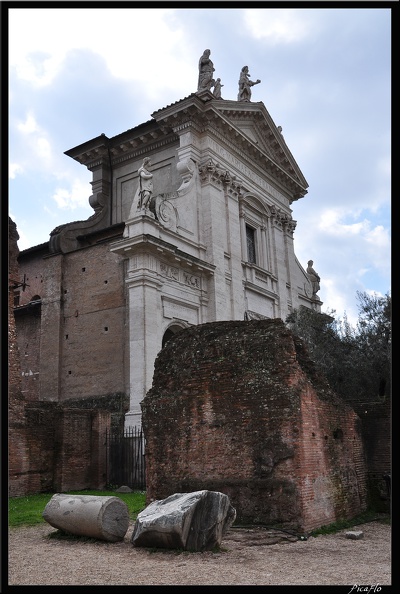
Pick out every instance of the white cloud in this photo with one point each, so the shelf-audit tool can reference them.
(29, 125)
(330, 223)
(40, 40)
(333, 294)
(43, 149)
(76, 197)
(33, 146)
(278, 26)
(14, 169)
(378, 243)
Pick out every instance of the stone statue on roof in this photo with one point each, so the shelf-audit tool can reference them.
(314, 277)
(206, 70)
(245, 84)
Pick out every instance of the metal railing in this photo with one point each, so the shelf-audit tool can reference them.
(126, 458)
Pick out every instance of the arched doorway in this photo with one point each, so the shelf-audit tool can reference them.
(170, 332)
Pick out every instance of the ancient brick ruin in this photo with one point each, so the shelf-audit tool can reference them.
(51, 447)
(238, 407)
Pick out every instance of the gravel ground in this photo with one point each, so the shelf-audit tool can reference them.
(247, 557)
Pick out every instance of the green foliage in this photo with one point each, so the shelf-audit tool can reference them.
(365, 517)
(27, 510)
(355, 361)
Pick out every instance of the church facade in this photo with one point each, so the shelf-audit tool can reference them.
(192, 224)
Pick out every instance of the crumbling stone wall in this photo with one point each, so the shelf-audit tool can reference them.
(238, 407)
(15, 396)
(51, 446)
(17, 444)
(58, 449)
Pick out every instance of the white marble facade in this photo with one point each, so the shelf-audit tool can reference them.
(217, 240)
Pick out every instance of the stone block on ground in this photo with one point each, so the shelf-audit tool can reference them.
(102, 517)
(194, 521)
(124, 489)
(355, 534)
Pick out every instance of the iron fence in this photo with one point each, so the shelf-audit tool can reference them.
(126, 458)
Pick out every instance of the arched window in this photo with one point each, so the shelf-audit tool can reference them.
(167, 336)
(170, 332)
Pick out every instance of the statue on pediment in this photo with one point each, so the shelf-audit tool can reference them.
(217, 89)
(206, 70)
(245, 84)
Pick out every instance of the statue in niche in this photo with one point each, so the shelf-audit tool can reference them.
(206, 69)
(245, 84)
(145, 185)
(314, 278)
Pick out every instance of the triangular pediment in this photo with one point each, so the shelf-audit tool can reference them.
(246, 126)
(255, 123)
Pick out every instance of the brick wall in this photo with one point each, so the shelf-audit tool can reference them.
(50, 447)
(18, 454)
(238, 407)
(15, 398)
(80, 348)
(58, 450)
(81, 463)
(28, 322)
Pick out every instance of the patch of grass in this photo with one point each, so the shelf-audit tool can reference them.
(367, 516)
(27, 510)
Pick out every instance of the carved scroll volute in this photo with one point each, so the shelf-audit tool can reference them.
(186, 169)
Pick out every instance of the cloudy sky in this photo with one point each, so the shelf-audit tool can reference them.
(75, 73)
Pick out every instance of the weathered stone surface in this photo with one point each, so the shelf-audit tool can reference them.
(193, 521)
(355, 534)
(106, 518)
(123, 489)
(239, 407)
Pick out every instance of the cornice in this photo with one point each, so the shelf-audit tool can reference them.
(150, 243)
(218, 117)
(255, 158)
(203, 114)
(104, 151)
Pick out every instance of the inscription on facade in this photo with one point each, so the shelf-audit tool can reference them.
(169, 271)
(178, 275)
(243, 168)
(191, 280)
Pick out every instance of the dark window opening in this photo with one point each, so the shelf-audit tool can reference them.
(251, 244)
(167, 336)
